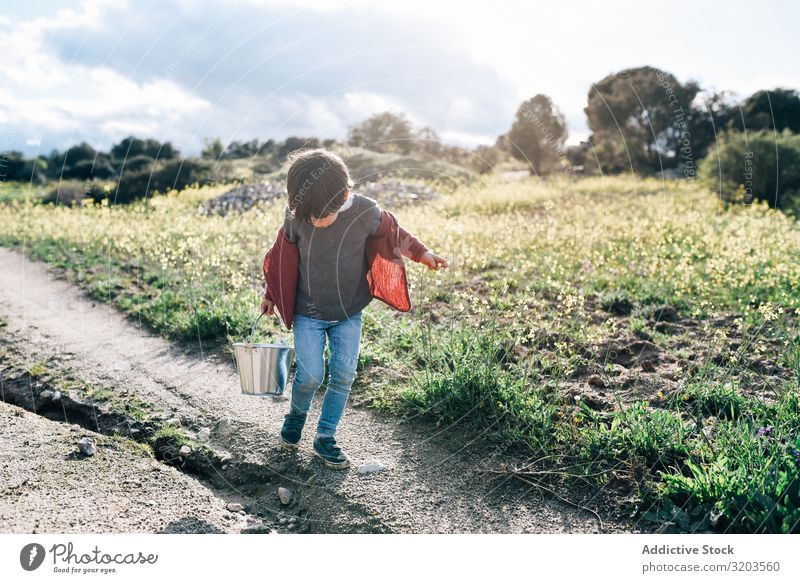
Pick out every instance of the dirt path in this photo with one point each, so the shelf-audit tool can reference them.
(48, 486)
(432, 481)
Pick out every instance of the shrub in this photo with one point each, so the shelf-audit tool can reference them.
(69, 192)
(138, 163)
(88, 169)
(172, 174)
(755, 166)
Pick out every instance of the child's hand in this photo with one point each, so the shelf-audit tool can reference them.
(433, 261)
(267, 307)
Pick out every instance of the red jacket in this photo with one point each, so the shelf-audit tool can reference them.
(386, 272)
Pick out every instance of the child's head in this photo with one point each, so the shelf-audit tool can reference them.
(317, 183)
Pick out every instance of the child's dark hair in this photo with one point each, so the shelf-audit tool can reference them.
(316, 183)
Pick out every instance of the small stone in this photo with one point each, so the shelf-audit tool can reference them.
(86, 446)
(74, 427)
(257, 529)
(285, 495)
(224, 467)
(185, 450)
(234, 506)
(204, 434)
(292, 520)
(57, 395)
(596, 380)
(371, 467)
(283, 521)
(135, 433)
(224, 427)
(174, 422)
(151, 503)
(46, 394)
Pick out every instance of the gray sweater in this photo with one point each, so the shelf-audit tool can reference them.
(332, 282)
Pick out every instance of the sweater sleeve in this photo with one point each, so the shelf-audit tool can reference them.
(370, 215)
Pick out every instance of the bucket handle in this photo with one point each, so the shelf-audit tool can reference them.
(281, 338)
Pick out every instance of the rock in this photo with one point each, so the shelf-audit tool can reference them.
(46, 394)
(371, 467)
(204, 434)
(596, 380)
(283, 520)
(225, 427)
(285, 495)
(86, 446)
(246, 196)
(74, 427)
(257, 529)
(234, 507)
(174, 422)
(185, 450)
(57, 395)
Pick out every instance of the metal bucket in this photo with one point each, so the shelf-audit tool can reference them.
(263, 368)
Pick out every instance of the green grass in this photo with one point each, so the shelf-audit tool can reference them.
(544, 275)
(173, 435)
(749, 478)
(17, 191)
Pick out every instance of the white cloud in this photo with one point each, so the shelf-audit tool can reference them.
(46, 96)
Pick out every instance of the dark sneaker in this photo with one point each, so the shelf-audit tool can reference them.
(292, 430)
(331, 454)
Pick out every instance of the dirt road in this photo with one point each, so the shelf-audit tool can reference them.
(432, 481)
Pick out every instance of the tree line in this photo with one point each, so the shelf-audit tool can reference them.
(641, 119)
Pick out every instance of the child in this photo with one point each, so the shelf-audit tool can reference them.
(340, 238)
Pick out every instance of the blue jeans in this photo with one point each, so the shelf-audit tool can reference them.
(344, 338)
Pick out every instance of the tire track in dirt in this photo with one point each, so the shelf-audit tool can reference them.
(432, 483)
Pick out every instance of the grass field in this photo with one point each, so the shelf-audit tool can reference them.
(632, 336)
(17, 191)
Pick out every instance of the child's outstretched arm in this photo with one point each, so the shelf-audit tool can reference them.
(419, 253)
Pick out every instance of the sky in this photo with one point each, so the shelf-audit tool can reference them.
(187, 70)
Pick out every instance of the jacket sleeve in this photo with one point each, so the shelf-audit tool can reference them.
(280, 270)
(414, 246)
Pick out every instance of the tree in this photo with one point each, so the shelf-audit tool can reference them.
(755, 165)
(428, 141)
(485, 158)
(538, 134)
(77, 153)
(641, 118)
(292, 144)
(133, 146)
(11, 165)
(213, 149)
(777, 109)
(383, 132)
(237, 150)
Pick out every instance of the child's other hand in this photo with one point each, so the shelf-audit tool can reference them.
(433, 261)
(267, 307)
